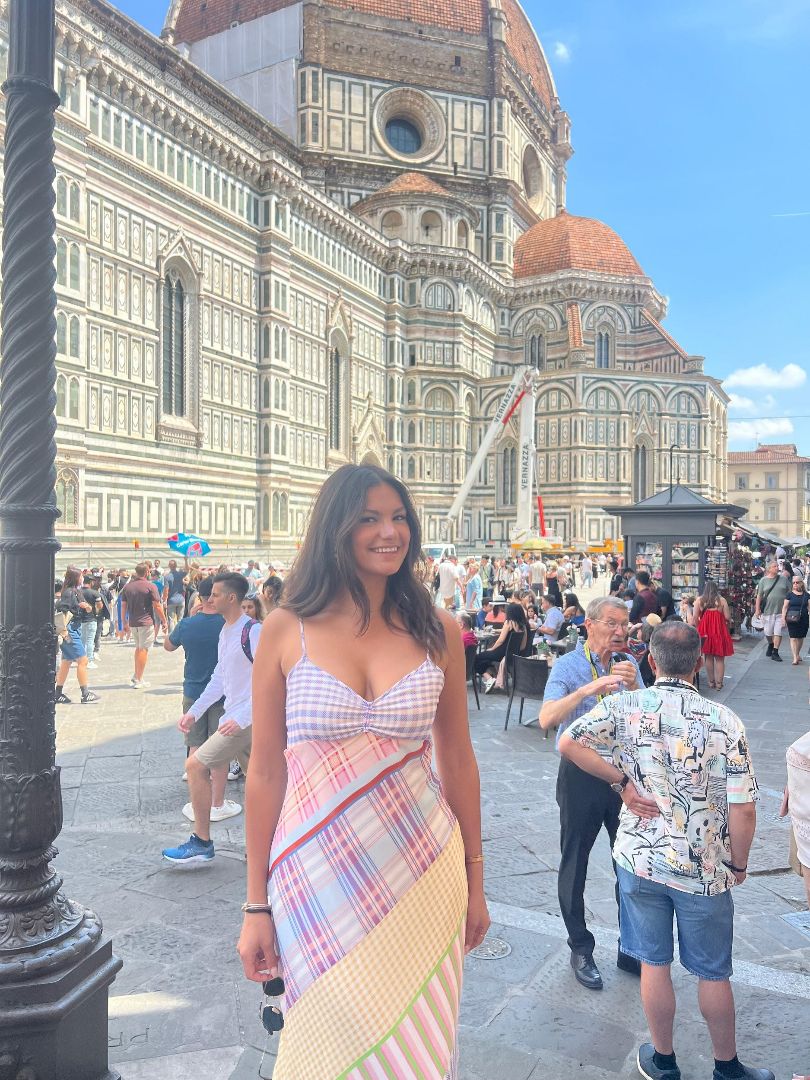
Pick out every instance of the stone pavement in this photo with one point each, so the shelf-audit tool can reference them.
(181, 1009)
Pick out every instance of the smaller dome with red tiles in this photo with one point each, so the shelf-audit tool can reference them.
(566, 242)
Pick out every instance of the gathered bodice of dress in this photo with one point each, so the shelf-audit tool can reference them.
(321, 706)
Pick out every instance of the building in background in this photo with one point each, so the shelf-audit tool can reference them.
(292, 235)
(773, 483)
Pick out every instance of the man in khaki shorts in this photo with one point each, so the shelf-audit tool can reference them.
(198, 636)
(231, 679)
(139, 600)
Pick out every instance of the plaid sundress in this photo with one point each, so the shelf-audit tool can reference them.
(367, 884)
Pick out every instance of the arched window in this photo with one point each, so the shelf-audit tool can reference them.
(276, 440)
(265, 512)
(74, 336)
(391, 224)
(275, 510)
(277, 395)
(463, 235)
(266, 439)
(410, 394)
(61, 196)
(61, 333)
(174, 345)
(412, 433)
(67, 497)
(411, 468)
(430, 228)
(61, 395)
(603, 349)
(73, 402)
(509, 476)
(266, 341)
(439, 297)
(336, 374)
(640, 477)
(284, 395)
(284, 441)
(74, 267)
(537, 351)
(61, 262)
(266, 394)
(74, 202)
(283, 513)
(276, 343)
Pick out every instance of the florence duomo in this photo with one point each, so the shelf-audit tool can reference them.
(291, 235)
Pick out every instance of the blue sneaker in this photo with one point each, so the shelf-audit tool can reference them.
(194, 850)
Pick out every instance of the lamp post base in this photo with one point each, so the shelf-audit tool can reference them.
(55, 1027)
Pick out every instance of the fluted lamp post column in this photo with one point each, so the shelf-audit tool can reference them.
(55, 966)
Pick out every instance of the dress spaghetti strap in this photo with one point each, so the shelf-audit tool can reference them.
(303, 639)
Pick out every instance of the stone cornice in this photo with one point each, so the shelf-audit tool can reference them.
(588, 285)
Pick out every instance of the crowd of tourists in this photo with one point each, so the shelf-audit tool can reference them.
(339, 690)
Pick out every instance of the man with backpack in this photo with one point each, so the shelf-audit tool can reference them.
(198, 636)
(231, 680)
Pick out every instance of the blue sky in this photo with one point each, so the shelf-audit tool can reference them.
(690, 126)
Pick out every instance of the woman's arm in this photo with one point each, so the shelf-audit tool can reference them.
(265, 788)
(458, 772)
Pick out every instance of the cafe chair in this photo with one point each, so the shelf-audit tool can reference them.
(470, 652)
(529, 678)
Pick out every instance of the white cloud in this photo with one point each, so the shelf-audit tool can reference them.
(744, 430)
(561, 52)
(762, 377)
(741, 404)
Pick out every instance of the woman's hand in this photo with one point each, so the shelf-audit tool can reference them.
(478, 919)
(257, 947)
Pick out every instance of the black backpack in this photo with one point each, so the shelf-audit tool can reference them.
(246, 649)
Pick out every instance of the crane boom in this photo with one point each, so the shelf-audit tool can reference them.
(519, 394)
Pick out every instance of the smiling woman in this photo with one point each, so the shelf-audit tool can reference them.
(368, 882)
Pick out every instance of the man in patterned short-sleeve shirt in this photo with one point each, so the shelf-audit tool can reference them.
(690, 756)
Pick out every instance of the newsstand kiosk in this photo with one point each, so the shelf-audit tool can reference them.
(670, 533)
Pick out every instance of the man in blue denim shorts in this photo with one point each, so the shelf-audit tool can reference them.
(681, 858)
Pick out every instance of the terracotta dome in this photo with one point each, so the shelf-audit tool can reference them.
(194, 20)
(566, 242)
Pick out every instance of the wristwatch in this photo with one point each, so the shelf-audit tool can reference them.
(620, 785)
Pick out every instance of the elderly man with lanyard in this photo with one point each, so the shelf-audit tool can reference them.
(577, 682)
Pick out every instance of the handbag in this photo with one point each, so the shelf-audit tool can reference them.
(794, 616)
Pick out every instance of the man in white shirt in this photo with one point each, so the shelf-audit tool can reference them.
(231, 680)
(450, 573)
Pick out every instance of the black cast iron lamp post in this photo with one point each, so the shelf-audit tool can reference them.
(55, 967)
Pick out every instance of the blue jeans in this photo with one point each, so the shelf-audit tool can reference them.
(705, 926)
(89, 639)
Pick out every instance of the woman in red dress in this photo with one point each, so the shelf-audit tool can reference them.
(712, 618)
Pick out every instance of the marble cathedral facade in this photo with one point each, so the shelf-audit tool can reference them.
(292, 235)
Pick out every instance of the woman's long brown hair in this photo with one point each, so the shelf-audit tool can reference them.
(325, 565)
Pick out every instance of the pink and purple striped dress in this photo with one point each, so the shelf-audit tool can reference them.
(367, 884)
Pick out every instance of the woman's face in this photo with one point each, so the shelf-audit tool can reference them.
(249, 608)
(798, 587)
(381, 538)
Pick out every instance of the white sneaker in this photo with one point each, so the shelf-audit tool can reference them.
(489, 683)
(184, 776)
(92, 664)
(140, 684)
(218, 813)
(228, 809)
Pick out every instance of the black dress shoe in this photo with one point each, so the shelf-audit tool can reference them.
(586, 972)
(628, 963)
(775, 656)
(769, 650)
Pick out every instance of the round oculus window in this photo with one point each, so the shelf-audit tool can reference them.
(403, 135)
